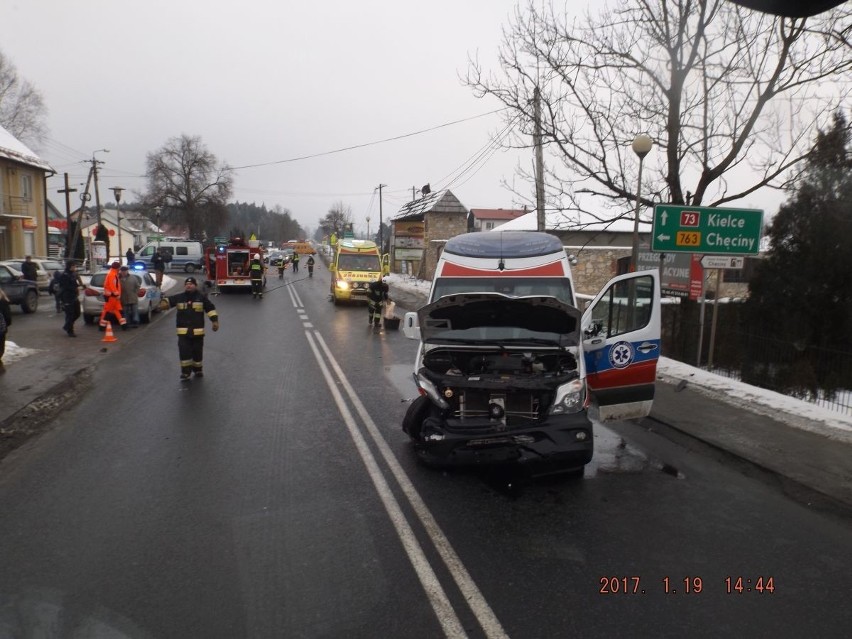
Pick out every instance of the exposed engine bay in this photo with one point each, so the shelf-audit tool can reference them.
(506, 387)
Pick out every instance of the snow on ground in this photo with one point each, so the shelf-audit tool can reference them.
(792, 411)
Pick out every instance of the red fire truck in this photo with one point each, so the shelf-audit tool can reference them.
(228, 263)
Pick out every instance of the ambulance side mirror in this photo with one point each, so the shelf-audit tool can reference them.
(411, 326)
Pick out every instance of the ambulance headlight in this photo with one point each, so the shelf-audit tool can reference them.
(569, 398)
(431, 391)
(342, 284)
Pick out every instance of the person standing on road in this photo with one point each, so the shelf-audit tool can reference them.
(159, 266)
(256, 274)
(53, 289)
(112, 298)
(29, 269)
(191, 305)
(129, 296)
(295, 262)
(131, 256)
(377, 295)
(5, 323)
(310, 265)
(69, 290)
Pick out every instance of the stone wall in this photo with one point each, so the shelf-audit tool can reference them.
(439, 228)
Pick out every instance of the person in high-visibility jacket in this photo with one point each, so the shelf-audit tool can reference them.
(112, 297)
(256, 274)
(192, 305)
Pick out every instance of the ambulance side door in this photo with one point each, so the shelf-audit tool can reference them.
(621, 343)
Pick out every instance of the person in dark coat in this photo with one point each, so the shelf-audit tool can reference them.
(29, 269)
(377, 295)
(5, 323)
(69, 290)
(192, 306)
(158, 263)
(53, 289)
(131, 257)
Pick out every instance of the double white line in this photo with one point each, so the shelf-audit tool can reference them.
(444, 611)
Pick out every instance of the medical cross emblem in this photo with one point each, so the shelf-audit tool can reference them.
(621, 354)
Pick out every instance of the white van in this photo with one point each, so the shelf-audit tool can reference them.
(509, 368)
(186, 255)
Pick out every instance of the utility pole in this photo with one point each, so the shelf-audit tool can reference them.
(539, 161)
(68, 231)
(97, 191)
(381, 224)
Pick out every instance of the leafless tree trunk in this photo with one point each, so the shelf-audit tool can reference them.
(732, 98)
(184, 179)
(22, 109)
(338, 216)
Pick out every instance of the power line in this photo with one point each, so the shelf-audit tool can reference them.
(366, 144)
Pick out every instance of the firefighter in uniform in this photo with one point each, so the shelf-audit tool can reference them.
(112, 297)
(377, 295)
(256, 273)
(191, 305)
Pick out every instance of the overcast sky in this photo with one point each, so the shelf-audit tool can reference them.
(267, 81)
(264, 81)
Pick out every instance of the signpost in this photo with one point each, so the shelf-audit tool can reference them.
(722, 261)
(696, 229)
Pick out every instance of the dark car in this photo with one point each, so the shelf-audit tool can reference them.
(19, 290)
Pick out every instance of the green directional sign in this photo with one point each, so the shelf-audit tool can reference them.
(708, 230)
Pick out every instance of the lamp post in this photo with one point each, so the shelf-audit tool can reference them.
(641, 146)
(368, 227)
(157, 210)
(116, 191)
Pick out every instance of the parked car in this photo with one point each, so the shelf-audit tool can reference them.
(44, 269)
(93, 296)
(17, 289)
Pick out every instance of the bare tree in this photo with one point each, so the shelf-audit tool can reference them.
(22, 109)
(731, 97)
(339, 215)
(192, 189)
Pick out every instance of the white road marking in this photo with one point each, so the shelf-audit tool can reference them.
(437, 597)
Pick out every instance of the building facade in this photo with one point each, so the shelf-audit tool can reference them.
(23, 199)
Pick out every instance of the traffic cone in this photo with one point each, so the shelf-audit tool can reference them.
(108, 336)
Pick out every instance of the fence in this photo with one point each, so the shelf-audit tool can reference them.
(818, 375)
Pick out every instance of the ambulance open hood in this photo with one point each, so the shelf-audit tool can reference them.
(488, 317)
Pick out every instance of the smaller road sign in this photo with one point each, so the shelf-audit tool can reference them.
(722, 261)
(696, 229)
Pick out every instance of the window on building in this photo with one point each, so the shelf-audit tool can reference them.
(489, 226)
(27, 188)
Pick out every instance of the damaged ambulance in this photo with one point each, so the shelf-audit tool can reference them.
(510, 371)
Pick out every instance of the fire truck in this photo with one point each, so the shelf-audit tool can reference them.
(228, 263)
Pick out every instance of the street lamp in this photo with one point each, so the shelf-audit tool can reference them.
(157, 210)
(116, 191)
(641, 146)
(368, 227)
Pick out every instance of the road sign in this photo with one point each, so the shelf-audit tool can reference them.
(696, 229)
(722, 261)
(680, 273)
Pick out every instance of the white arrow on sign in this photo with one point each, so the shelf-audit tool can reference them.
(663, 238)
(722, 261)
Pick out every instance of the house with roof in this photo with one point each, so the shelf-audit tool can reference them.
(421, 228)
(129, 230)
(23, 199)
(490, 219)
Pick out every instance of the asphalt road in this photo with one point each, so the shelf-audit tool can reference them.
(277, 497)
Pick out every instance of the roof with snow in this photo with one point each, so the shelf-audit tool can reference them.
(498, 214)
(576, 221)
(11, 148)
(437, 202)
